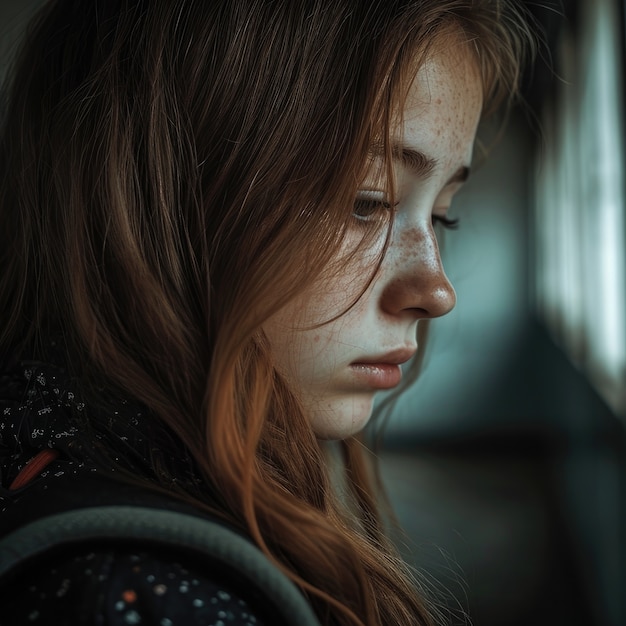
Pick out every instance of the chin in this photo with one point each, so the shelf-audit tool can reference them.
(342, 417)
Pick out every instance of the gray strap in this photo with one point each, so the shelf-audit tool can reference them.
(176, 529)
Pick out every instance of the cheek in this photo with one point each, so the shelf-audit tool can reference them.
(332, 298)
(308, 336)
(301, 347)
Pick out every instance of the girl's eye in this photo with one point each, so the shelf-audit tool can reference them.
(371, 209)
(446, 222)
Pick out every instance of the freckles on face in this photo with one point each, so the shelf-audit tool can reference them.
(453, 106)
(340, 342)
(315, 359)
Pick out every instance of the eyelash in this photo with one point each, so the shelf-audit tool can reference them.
(446, 222)
(380, 207)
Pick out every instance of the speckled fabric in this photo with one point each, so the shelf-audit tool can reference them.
(120, 589)
(108, 586)
(41, 407)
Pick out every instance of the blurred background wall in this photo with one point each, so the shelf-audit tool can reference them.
(506, 461)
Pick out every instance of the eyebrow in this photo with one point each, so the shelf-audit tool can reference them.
(416, 161)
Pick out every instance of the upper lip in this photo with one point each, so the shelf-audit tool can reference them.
(393, 357)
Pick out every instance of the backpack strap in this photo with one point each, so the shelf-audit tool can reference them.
(79, 511)
(170, 529)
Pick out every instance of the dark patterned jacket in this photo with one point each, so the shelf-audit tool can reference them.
(99, 583)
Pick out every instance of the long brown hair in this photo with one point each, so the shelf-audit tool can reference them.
(176, 171)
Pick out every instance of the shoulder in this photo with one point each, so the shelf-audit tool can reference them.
(127, 551)
(121, 586)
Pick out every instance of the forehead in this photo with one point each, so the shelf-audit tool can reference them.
(444, 103)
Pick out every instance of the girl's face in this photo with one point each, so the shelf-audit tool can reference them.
(338, 366)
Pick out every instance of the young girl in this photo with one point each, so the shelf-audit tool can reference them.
(217, 244)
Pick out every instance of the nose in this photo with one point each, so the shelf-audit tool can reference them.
(416, 284)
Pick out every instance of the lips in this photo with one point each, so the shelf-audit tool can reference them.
(381, 371)
(393, 357)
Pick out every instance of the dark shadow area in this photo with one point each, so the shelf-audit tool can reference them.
(521, 521)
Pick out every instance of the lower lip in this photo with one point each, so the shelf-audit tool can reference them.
(378, 375)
